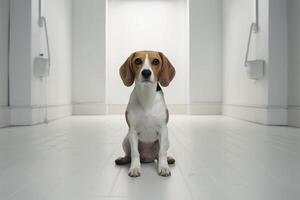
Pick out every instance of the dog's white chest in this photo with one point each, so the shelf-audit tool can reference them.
(148, 124)
(147, 117)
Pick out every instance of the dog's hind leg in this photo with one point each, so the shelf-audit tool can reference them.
(127, 158)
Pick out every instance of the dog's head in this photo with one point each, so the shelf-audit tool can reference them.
(147, 67)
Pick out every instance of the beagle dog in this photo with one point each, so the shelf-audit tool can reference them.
(147, 114)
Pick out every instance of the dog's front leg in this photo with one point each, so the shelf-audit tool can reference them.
(135, 168)
(163, 167)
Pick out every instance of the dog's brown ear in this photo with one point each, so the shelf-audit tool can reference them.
(126, 71)
(167, 72)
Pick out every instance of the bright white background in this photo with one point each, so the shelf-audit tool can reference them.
(147, 25)
(218, 29)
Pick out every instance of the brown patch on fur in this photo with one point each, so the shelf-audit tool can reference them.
(151, 56)
(167, 115)
(126, 71)
(167, 72)
(137, 68)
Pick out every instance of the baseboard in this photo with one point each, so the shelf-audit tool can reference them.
(205, 108)
(268, 115)
(89, 108)
(30, 115)
(294, 116)
(201, 108)
(198, 108)
(4, 116)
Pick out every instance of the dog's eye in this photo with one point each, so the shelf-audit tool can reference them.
(155, 62)
(138, 61)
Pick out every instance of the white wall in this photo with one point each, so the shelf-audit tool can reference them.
(215, 31)
(59, 21)
(293, 7)
(4, 30)
(20, 53)
(237, 17)
(27, 92)
(89, 56)
(262, 101)
(243, 97)
(206, 56)
(147, 25)
(88, 78)
(278, 65)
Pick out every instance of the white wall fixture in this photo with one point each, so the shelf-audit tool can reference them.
(254, 68)
(262, 101)
(27, 41)
(52, 37)
(244, 98)
(42, 64)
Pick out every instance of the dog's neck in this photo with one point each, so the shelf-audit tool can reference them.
(145, 94)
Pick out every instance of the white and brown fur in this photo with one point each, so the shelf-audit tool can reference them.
(147, 114)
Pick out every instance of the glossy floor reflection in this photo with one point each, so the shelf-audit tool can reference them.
(216, 158)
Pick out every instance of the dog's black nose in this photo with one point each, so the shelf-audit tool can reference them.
(146, 73)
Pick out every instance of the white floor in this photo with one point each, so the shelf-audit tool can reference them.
(216, 158)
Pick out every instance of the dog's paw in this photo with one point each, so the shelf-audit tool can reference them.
(123, 160)
(164, 171)
(170, 160)
(134, 171)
